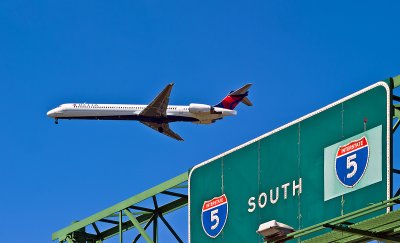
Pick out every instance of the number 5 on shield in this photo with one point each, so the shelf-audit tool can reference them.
(351, 163)
(214, 217)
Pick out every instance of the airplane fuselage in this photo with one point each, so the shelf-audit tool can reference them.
(157, 114)
(174, 113)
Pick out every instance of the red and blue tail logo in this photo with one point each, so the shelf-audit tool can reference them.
(235, 97)
(231, 101)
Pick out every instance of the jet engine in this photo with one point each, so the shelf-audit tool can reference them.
(200, 108)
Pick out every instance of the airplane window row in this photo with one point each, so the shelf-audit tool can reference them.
(123, 107)
(109, 107)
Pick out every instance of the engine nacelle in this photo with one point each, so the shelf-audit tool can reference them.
(200, 108)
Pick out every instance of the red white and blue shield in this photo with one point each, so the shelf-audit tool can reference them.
(214, 214)
(352, 161)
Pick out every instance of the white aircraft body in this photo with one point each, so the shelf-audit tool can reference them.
(156, 115)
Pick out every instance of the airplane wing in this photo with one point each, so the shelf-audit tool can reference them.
(158, 107)
(163, 128)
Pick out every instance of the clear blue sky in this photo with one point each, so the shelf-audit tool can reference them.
(300, 55)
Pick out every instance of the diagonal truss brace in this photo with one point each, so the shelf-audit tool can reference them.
(146, 217)
(396, 114)
(136, 223)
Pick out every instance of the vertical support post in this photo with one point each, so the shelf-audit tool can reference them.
(155, 229)
(136, 223)
(120, 227)
(155, 222)
(392, 112)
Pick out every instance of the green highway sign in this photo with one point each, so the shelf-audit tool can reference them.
(331, 162)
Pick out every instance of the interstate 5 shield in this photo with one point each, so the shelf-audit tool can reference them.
(351, 162)
(213, 215)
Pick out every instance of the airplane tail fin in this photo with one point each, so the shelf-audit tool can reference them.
(235, 97)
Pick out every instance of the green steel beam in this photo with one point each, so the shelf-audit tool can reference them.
(385, 224)
(61, 234)
(82, 237)
(180, 187)
(370, 234)
(116, 215)
(155, 229)
(137, 225)
(120, 227)
(396, 125)
(155, 223)
(108, 221)
(397, 111)
(96, 229)
(344, 218)
(172, 206)
(396, 115)
(145, 227)
(174, 194)
(145, 210)
(396, 81)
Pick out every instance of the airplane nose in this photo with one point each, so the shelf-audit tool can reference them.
(51, 113)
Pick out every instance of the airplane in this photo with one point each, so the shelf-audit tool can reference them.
(158, 114)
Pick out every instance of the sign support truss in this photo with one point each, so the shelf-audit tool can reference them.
(370, 234)
(384, 227)
(131, 215)
(396, 115)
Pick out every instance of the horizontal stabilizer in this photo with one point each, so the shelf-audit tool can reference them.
(246, 101)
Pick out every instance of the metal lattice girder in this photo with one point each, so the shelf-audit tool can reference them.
(379, 228)
(345, 218)
(141, 217)
(145, 218)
